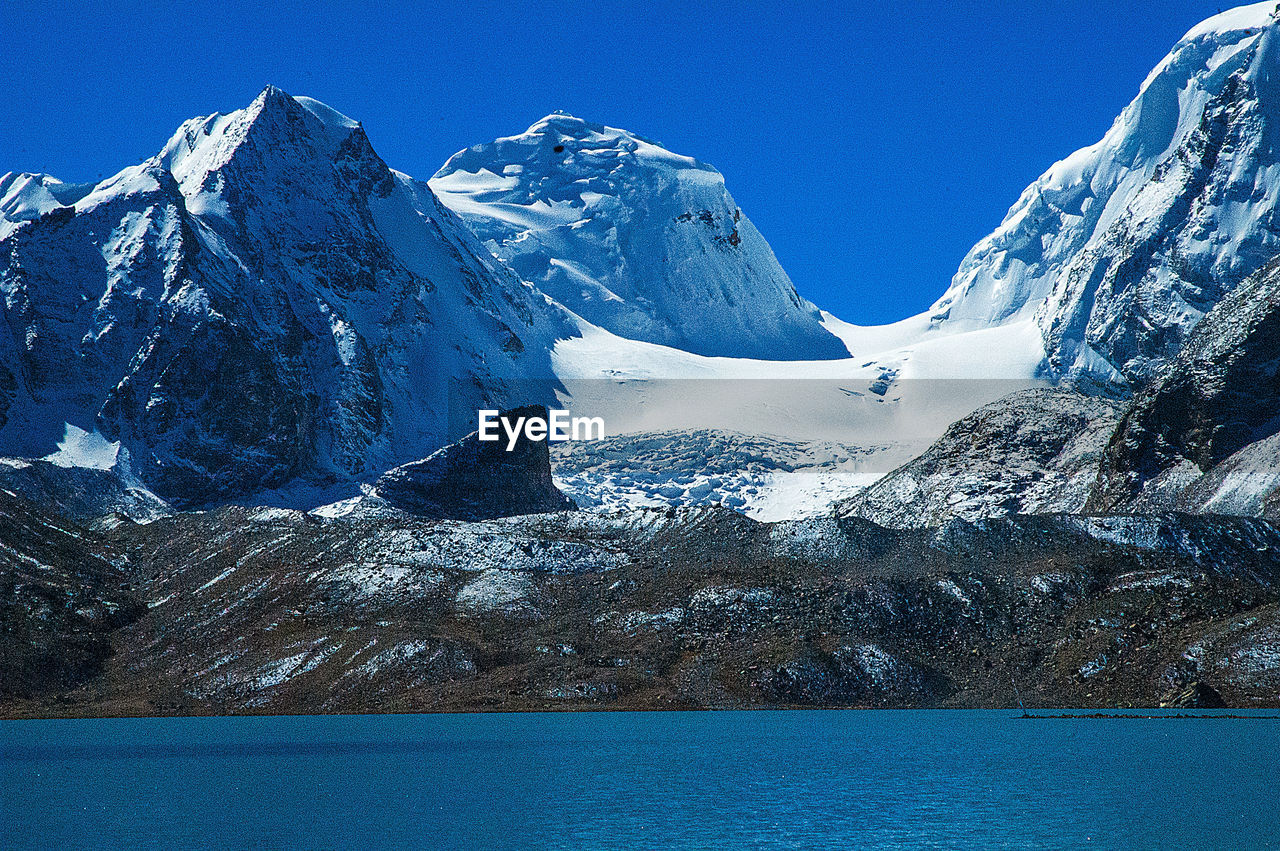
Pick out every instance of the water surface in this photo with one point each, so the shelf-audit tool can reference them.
(650, 780)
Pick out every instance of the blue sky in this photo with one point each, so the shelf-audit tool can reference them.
(872, 143)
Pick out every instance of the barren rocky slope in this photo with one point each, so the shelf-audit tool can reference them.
(63, 591)
(1202, 436)
(275, 611)
(1032, 452)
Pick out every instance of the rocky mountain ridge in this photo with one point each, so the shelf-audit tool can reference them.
(1033, 452)
(266, 310)
(266, 304)
(1202, 436)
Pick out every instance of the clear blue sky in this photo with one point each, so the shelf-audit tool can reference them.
(872, 142)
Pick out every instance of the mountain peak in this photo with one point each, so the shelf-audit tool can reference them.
(1242, 20)
(552, 146)
(563, 122)
(563, 127)
(275, 99)
(25, 196)
(283, 302)
(275, 104)
(272, 105)
(273, 95)
(1185, 159)
(276, 125)
(633, 238)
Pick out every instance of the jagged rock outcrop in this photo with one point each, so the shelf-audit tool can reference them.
(80, 494)
(1216, 404)
(1032, 452)
(1197, 695)
(479, 480)
(635, 239)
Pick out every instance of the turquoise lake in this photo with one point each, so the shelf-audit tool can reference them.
(642, 780)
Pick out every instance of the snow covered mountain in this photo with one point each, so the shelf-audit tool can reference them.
(25, 197)
(1119, 250)
(266, 302)
(633, 238)
(263, 300)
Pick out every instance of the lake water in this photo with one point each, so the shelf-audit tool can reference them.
(657, 780)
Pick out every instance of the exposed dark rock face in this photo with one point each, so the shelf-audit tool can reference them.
(1032, 452)
(1220, 397)
(270, 610)
(1195, 696)
(80, 494)
(479, 480)
(63, 592)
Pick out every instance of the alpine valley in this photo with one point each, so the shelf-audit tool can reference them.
(236, 382)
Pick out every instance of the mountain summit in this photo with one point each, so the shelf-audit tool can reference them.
(263, 300)
(635, 239)
(1118, 250)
